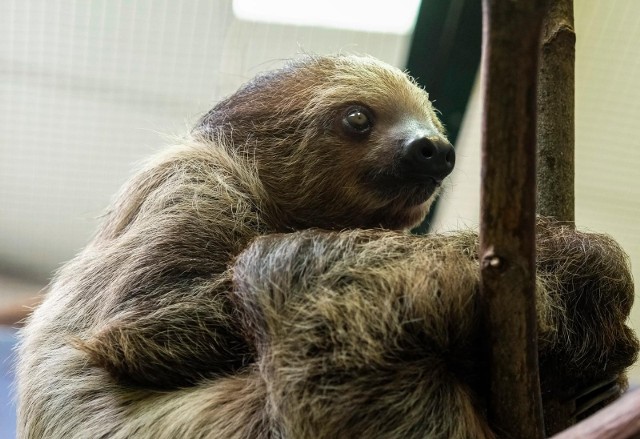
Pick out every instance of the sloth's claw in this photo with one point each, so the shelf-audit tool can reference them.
(589, 397)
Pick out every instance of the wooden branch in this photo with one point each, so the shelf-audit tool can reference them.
(556, 144)
(619, 420)
(511, 36)
(556, 121)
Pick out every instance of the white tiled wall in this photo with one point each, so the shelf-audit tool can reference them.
(89, 88)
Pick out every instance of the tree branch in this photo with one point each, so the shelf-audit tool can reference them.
(556, 121)
(511, 37)
(619, 420)
(556, 144)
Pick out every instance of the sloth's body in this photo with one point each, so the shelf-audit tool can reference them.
(159, 329)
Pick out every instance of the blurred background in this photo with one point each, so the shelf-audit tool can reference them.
(89, 89)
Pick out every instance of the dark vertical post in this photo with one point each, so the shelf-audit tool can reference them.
(556, 122)
(511, 37)
(556, 144)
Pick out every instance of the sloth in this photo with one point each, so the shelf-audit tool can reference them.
(258, 280)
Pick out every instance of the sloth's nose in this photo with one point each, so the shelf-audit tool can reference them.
(429, 157)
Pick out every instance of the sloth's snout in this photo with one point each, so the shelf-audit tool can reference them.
(428, 157)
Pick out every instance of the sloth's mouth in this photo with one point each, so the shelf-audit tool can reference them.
(403, 200)
(419, 195)
(407, 190)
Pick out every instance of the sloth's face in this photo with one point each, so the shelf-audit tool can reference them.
(339, 142)
(363, 148)
(392, 159)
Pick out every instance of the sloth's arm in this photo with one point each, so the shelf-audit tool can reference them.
(365, 333)
(356, 330)
(588, 282)
(160, 314)
(154, 281)
(185, 334)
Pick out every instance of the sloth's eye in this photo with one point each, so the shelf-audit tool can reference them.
(357, 120)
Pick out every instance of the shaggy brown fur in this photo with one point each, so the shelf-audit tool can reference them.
(159, 329)
(377, 334)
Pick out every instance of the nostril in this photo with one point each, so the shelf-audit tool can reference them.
(451, 157)
(427, 150)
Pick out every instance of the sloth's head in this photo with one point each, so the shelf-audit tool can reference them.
(339, 142)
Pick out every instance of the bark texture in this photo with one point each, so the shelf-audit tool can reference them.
(556, 145)
(511, 36)
(556, 121)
